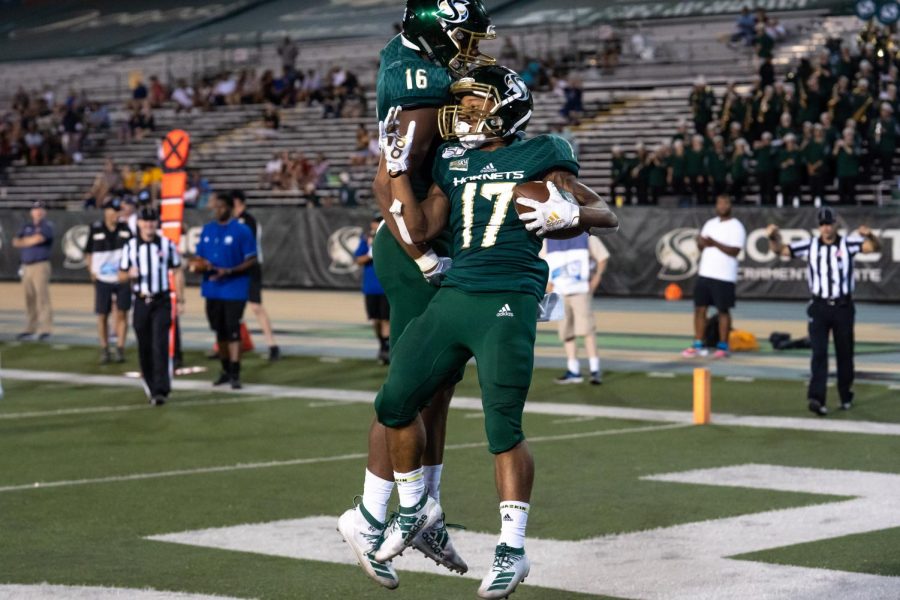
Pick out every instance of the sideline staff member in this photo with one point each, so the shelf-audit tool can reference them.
(146, 261)
(229, 251)
(103, 254)
(831, 308)
(720, 241)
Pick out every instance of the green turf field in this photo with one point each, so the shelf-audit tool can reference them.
(212, 459)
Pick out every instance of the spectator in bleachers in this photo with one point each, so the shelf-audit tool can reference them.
(573, 107)
(38, 149)
(814, 157)
(718, 165)
(509, 54)
(318, 179)
(847, 161)
(789, 165)
(197, 189)
(681, 132)
(106, 182)
(139, 93)
(739, 169)
(764, 42)
(621, 175)
(140, 123)
(640, 172)
(158, 93)
(346, 192)
(271, 121)
(360, 154)
(657, 167)
(675, 177)
(183, 95)
(766, 73)
(745, 27)
(270, 178)
(883, 139)
(702, 102)
(225, 92)
(695, 169)
(288, 51)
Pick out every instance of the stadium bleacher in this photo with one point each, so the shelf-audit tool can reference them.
(622, 103)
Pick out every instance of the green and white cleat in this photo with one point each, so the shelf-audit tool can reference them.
(364, 534)
(510, 567)
(434, 542)
(402, 530)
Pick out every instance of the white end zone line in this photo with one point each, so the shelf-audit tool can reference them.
(311, 461)
(469, 403)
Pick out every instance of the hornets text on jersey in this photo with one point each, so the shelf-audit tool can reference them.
(492, 251)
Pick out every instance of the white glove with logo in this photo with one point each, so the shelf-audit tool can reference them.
(554, 214)
(395, 147)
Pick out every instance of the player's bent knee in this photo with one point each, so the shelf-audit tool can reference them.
(391, 411)
(503, 426)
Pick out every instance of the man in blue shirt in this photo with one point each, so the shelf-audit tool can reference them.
(377, 308)
(228, 250)
(35, 239)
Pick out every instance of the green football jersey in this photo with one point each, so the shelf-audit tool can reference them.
(492, 250)
(408, 80)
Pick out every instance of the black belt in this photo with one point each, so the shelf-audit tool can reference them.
(839, 301)
(153, 297)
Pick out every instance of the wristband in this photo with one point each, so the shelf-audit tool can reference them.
(427, 262)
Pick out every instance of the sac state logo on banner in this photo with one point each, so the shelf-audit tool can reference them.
(341, 249)
(678, 254)
(866, 9)
(888, 12)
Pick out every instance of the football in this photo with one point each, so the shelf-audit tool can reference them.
(537, 190)
(198, 264)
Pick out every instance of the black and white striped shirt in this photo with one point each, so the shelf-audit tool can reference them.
(830, 271)
(153, 260)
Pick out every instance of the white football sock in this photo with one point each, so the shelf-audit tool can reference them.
(376, 495)
(573, 366)
(433, 480)
(595, 364)
(410, 486)
(513, 521)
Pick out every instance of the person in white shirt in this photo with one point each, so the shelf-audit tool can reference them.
(721, 240)
(576, 266)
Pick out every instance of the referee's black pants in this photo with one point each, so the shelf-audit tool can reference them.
(836, 317)
(152, 319)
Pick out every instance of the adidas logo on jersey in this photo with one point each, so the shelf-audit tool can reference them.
(505, 311)
(489, 168)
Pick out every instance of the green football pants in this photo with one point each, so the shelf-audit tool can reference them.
(498, 329)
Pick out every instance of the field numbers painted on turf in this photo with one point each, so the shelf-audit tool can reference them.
(498, 192)
(420, 79)
(691, 561)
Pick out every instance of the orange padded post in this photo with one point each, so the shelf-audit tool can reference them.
(702, 396)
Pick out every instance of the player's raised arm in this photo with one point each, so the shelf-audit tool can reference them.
(594, 215)
(425, 120)
(416, 222)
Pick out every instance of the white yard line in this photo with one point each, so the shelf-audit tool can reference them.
(307, 461)
(468, 403)
(108, 409)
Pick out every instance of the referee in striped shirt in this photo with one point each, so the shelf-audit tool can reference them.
(830, 309)
(147, 260)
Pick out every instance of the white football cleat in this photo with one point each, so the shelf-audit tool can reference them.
(364, 534)
(434, 542)
(406, 525)
(510, 567)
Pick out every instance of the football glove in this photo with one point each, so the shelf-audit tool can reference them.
(394, 146)
(434, 267)
(554, 214)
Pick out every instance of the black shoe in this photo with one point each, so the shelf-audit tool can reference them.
(818, 408)
(25, 337)
(43, 337)
(158, 400)
(846, 405)
(384, 357)
(595, 378)
(223, 379)
(120, 355)
(274, 353)
(105, 357)
(235, 383)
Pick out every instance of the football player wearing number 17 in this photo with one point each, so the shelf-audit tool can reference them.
(487, 304)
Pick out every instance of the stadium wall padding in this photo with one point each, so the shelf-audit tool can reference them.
(313, 248)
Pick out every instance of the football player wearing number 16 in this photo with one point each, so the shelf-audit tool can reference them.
(487, 304)
(438, 43)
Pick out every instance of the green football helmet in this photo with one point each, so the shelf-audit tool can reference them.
(503, 112)
(448, 32)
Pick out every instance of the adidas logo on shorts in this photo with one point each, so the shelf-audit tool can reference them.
(505, 311)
